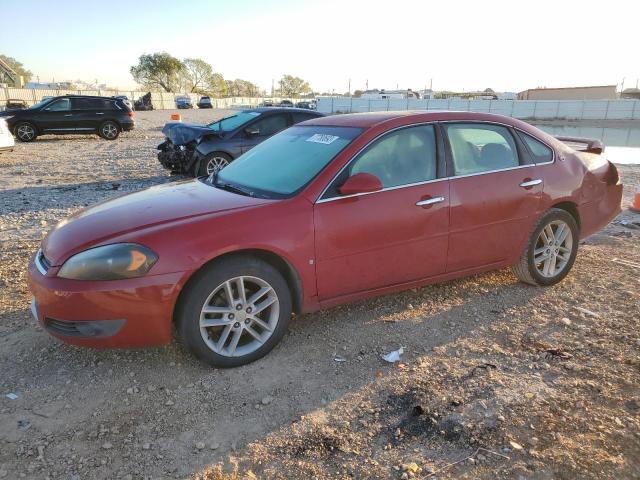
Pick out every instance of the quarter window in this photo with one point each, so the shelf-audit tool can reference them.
(399, 158)
(477, 148)
(541, 153)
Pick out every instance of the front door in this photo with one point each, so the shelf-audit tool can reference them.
(389, 237)
(494, 195)
(57, 116)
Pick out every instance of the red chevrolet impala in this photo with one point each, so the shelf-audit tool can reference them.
(329, 211)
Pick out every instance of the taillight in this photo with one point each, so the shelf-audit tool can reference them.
(612, 175)
(130, 113)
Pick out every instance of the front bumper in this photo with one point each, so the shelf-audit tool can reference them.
(135, 312)
(174, 157)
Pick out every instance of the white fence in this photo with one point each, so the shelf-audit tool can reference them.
(160, 100)
(525, 109)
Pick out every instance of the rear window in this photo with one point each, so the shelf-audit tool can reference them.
(540, 152)
(301, 117)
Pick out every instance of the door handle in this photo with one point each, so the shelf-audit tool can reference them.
(429, 201)
(531, 183)
(99, 113)
(68, 114)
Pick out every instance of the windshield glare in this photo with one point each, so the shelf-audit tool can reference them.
(39, 104)
(286, 162)
(234, 121)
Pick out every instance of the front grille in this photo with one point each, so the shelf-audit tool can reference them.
(68, 329)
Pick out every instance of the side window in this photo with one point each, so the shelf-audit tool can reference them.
(541, 153)
(481, 147)
(91, 104)
(301, 117)
(270, 125)
(61, 105)
(400, 158)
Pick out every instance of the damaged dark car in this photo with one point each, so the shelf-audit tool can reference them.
(203, 149)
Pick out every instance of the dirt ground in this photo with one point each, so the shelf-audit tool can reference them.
(497, 380)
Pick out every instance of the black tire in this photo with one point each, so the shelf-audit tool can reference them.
(526, 269)
(204, 165)
(109, 130)
(25, 132)
(197, 295)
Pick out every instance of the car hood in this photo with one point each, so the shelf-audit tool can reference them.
(182, 133)
(10, 113)
(131, 213)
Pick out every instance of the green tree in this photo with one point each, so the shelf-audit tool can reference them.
(158, 70)
(291, 86)
(198, 75)
(17, 67)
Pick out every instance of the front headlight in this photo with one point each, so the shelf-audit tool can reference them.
(109, 262)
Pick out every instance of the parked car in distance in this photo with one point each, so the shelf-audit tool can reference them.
(200, 149)
(6, 139)
(332, 210)
(67, 114)
(143, 103)
(125, 100)
(15, 104)
(285, 104)
(267, 103)
(205, 102)
(183, 102)
(308, 104)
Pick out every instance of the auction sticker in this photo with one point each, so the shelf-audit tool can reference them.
(320, 138)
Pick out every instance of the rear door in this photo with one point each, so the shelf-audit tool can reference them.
(88, 113)
(388, 237)
(495, 194)
(266, 125)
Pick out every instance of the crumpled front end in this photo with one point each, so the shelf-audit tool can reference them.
(177, 158)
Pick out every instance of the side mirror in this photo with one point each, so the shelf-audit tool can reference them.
(361, 183)
(251, 132)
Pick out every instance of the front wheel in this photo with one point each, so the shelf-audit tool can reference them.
(109, 130)
(551, 249)
(25, 132)
(234, 311)
(213, 162)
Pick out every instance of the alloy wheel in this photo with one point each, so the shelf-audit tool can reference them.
(553, 249)
(239, 316)
(216, 164)
(25, 132)
(109, 130)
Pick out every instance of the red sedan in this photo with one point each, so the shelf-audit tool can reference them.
(330, 211)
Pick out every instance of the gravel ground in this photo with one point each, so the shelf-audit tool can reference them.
(497, 380)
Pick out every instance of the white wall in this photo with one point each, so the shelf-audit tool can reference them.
(526, 109)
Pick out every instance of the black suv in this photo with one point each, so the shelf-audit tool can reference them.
(71, 114)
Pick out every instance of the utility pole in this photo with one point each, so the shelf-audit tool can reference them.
(349, 87)
(272, 87)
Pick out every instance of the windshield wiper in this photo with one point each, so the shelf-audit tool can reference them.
(213, 180)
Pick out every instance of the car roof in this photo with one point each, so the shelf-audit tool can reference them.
(280, 110)
(373, 119)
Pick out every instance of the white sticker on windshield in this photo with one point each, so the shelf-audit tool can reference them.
(321, 138)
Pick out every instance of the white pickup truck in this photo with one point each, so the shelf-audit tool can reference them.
(6, 139)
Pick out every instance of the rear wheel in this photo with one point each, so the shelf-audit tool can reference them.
(551, 249)
(235, 311)
(109, 130)
(212, 163)
(25, 132)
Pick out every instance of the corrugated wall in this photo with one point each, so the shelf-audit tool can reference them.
(525, 109)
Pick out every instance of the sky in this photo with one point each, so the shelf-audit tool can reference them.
(458, 45)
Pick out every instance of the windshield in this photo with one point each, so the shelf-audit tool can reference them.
(286, 162)
(39, 104)
(228, 124)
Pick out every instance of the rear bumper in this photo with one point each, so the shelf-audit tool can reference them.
(123, 313)
(596, 214)
(127, 126)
